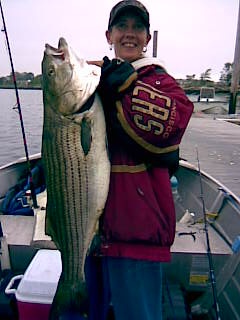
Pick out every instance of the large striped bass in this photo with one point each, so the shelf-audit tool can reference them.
(76, 166)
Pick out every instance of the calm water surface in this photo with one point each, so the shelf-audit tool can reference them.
(11, 141)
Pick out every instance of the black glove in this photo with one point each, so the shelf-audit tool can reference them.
(116, 76)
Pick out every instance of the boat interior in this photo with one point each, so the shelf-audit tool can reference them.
(187, 280)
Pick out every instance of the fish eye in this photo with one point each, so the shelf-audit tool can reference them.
(51, 71)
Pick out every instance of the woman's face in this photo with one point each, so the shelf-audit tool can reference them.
(128, 36)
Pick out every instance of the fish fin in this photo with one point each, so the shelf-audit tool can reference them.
(70, 297)
(86, 136)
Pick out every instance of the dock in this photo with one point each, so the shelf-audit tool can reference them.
(218, 143)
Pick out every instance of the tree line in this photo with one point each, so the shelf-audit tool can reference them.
(28, 80)
(23, 79)
(225, 75)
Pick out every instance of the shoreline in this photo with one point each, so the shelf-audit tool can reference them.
(192, 90)
(20, 88)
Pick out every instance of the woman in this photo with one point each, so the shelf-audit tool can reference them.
(146, 115)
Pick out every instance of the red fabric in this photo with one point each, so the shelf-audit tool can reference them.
(139, 218)
(140, 213)
(157, 110)
(137, 251)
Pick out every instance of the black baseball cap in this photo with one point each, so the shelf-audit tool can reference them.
(126, 5)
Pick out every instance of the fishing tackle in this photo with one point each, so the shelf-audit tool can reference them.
(209, 254)
(4, 29)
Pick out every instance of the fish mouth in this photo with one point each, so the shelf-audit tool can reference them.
(60, 53)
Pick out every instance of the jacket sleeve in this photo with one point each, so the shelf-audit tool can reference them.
(152, 115)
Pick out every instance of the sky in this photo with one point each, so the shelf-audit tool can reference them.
(193, 35)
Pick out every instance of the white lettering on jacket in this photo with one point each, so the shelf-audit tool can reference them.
(158, 118)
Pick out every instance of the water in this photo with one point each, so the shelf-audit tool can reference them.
(11, 141)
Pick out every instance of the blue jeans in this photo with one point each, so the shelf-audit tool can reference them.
(133, 287)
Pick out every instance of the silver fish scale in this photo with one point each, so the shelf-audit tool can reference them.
(77, 184)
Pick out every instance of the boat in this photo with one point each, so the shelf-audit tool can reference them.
(207, 94)
(207, 102)
(222, 209)
(188, 293)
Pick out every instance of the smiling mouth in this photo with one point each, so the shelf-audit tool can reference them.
(129, 45)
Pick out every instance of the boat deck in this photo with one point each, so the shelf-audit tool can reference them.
(218, 147)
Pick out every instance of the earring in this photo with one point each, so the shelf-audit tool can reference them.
(110, 46)
(145, 49)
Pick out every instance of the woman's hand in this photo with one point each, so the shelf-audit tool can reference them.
(116, 76)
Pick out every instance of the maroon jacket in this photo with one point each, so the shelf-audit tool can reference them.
(145, 127)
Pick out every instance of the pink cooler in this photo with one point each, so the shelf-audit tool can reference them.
(38, 285)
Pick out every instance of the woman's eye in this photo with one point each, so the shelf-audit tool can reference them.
(139, 27)
(121, 26)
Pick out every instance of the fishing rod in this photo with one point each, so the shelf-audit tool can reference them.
(33, 194)
(209, 254)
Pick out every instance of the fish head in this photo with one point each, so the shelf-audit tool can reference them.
(67, 81)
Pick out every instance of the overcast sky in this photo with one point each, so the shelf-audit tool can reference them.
(193, 35)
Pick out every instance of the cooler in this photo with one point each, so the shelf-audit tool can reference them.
(37, 286)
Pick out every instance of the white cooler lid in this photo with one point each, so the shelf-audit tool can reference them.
(39, 282)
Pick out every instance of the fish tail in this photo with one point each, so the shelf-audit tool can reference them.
(70, 299)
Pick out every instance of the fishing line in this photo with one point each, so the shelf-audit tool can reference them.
(209, 254)
(4, 29)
